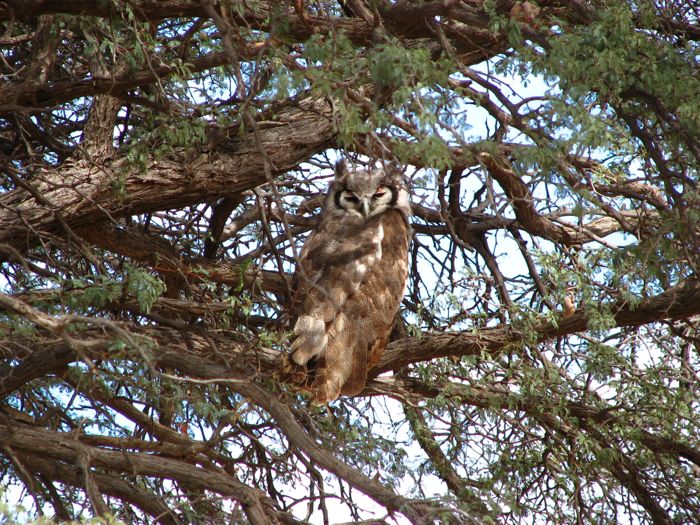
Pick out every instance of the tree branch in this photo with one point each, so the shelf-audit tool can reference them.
(259, 509)
(86, 193)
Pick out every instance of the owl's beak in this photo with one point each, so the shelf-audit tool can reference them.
(364, 208)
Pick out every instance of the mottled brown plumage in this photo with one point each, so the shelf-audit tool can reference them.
(350, 280)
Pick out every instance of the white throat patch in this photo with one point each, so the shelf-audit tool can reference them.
(378, 239)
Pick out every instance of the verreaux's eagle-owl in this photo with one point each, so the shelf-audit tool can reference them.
(350, 279)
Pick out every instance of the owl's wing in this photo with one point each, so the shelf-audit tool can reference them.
(331, 268)
(374, 307)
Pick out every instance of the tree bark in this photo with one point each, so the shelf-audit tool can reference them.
(82, 193)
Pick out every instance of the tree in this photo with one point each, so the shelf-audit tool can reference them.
(162, 162)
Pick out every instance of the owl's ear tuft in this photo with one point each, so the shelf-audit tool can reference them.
(341, 169)
(394, 172)
(393, 166)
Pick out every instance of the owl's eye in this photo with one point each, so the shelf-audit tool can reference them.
(350, 196)
(381, 190)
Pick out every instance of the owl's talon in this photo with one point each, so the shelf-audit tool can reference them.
(294, 372)
(298, 358)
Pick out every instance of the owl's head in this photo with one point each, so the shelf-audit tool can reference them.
(366, 193)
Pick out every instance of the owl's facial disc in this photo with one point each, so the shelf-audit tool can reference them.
(366, 204)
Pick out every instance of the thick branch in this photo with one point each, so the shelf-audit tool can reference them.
(128, 492)
(69, 448)
(84, 194)
(39, 363)
(680, 302)
(194, 366)
(465, 23)
(163, 258)
(523, 202)
(14, 96)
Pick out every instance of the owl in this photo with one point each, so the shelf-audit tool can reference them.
(350, 279)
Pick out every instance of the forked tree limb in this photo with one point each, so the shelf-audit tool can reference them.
(61, 472)
(680, 302)
(68, 448)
